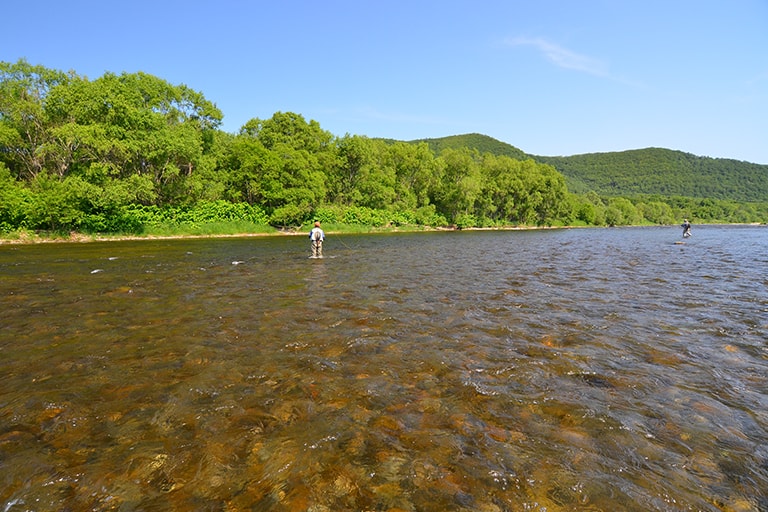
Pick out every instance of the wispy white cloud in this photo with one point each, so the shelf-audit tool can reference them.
(563, 57)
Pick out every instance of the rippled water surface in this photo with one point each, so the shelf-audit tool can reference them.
(554, 370)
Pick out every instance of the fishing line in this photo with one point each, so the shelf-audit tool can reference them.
(342, 243)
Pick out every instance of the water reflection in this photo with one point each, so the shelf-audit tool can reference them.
(546, 370)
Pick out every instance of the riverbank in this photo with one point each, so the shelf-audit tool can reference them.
(37, 238)
(26, 238)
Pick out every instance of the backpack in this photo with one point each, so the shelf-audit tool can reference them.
(317, 235)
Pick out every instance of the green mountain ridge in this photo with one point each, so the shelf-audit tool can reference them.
(482, 143)
(649, 171)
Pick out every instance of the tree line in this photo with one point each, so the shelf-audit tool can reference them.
(124, 152)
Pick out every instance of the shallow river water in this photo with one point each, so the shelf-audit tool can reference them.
(553, 370)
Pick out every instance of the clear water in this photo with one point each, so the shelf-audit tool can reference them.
(558, 370)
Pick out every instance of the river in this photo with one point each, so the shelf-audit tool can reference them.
(545, 370)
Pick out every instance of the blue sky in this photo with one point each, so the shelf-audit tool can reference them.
(551, 77)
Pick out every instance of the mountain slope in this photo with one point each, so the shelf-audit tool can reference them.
(665, 172)
(659, 171)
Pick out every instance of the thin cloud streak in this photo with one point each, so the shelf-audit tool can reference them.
(562, 57)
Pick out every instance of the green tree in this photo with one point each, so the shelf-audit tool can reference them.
(621, 212)
(297, 184)
(417, 172)
(551, 192)
(133, 124)
(502, 178)
(461, 182)
(657, 212)
(535, 193)
(24, 125)
(376, 179)
(589, 208)
(357, 156)
(247, 160)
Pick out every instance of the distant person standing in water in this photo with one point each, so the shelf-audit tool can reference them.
(317, 236)
(686, 228)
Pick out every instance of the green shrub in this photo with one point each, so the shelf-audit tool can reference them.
(466, 220)
(329, 214)
(16, 202)
(289, 215)
(428, 216)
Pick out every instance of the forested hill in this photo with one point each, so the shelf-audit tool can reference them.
(642, 171)
(665, 172)
(482, 143)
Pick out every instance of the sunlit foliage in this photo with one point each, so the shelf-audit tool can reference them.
(121, 153)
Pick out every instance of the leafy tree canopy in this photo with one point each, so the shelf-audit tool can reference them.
(130, 151)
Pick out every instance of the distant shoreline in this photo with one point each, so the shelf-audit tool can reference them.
(75, 238)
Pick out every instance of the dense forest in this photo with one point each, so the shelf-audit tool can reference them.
(132, 153)
(665, 172)
(654, 171)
